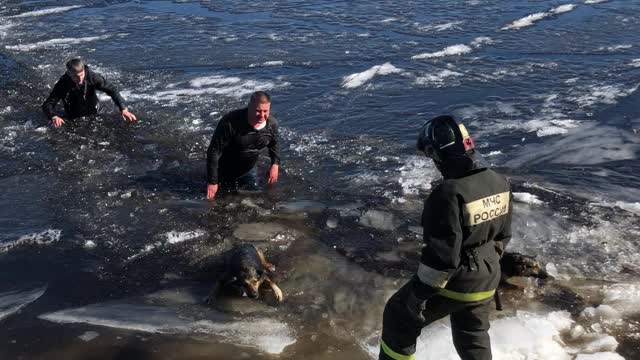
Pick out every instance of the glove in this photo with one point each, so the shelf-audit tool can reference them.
(499, 246)
(417, 298)
(416, 306)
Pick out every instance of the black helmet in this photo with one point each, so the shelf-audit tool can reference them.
(441, 138)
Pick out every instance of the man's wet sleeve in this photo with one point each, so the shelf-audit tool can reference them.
(442, 236)
(274, 146)
(56, 94)
(107, 88)
(219, 141)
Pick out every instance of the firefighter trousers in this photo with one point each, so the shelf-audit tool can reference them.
(469, 326)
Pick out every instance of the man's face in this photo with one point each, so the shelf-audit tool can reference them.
(76, 76)
(258, 113)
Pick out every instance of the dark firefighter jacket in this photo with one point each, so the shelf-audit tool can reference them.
(235, 146)
(462, 219)
(80, 100)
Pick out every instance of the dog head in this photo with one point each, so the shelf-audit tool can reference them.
(249, 280)
(515, 264)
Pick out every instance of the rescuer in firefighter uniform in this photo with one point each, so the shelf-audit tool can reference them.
(467, 223)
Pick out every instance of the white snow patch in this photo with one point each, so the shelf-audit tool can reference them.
(614, 48)
(42, 238)
(482, 40)
(563, 9)
(440, 27)
(526, 21)
(523, 336)
(448, 51)
(529, 20)
(4, 27)
(600, 355)
(438, 79)
(624, 297)
(232, 86)
(416, 175)
(268, 63)
(630, 207)
(56, 42)
(379, 219)
(527, 198)
(147, 249)
(54, 10)
(88, 336)
(604, 94)
(6, 110)
(174, 237)
(601, 344)
(213, 80)
(358, 79)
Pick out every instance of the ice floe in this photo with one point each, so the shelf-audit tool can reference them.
(586, 144)
(523, 336)
(208, 85)
(359, 79)
(627, 206)
(88, 336)
(614, 48)
(268, 335)
(378, 219)
(54, 10)
(603, 94)
(56, 42)
(458, 49)
(12, 301)
(437, 79)
(526, 198)
(174, 237)
(268, 63)
(529, 20)
(439, 27)
(305, 206)
(41, 238)
(259, 231)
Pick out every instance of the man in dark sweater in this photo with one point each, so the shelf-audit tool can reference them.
(77, 90)
(236, 144)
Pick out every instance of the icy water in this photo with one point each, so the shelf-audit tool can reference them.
(105, 236)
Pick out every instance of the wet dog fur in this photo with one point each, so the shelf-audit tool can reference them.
(246, 270)
(516, 264)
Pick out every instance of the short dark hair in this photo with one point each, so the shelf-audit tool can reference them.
(260, 97)
(75, 64)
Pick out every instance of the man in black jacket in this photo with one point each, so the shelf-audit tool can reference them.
(77, 90)
(236, 144)
(467, 223)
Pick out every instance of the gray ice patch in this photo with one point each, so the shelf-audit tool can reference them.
(258, 231)
(268, 335)
(307, 206)
(378, 219)
(12, 301)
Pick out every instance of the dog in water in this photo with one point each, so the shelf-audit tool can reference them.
(246, 270)
(516, 264)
